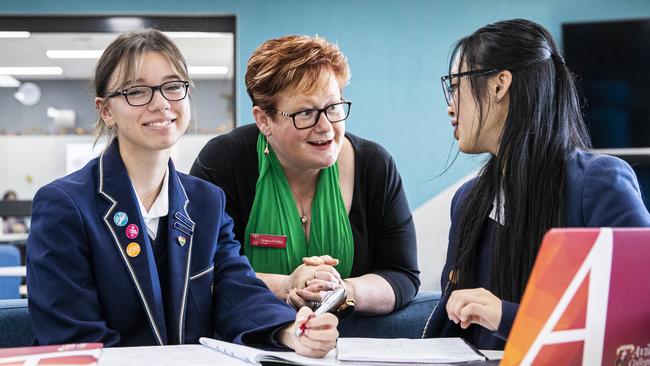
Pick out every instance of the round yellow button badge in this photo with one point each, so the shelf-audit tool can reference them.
(133, 250)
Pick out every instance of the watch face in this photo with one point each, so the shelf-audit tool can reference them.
(346, 309)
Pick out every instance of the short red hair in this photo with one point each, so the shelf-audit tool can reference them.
(292, 65)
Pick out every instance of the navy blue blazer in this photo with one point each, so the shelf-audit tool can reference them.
(83, 285)
(602, 191)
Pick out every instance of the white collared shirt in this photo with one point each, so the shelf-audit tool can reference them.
(493, 213)
(160, 207)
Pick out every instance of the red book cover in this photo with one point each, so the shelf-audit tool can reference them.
(76, 354)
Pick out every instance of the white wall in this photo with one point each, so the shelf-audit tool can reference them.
(29, 162)
(432, 224)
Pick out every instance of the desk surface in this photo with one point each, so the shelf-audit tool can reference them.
(13, 238)
(18, 271)
(192, 355)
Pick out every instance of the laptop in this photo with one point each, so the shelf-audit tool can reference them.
(587, 301)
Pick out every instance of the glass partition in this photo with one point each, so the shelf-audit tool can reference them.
(46, 75)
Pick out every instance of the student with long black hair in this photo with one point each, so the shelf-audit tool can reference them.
(510, 94)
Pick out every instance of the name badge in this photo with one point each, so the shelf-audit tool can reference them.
(268, 241)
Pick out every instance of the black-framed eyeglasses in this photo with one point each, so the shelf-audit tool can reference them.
(308, 118)
(140, 95)
(449, 89)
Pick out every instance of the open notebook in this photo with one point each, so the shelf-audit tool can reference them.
(361, 351)
(257, 356)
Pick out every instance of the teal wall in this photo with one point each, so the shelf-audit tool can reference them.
(397, 51)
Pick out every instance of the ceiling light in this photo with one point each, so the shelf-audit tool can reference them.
(7, 81)
(54, 70)
(12, 34)
(28, 94)
(196, 34)
(120, 24)
(208, 70)
(74, 53)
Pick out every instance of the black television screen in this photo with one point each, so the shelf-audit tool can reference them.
(611, 61)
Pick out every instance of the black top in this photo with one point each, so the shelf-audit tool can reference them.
(382, 226)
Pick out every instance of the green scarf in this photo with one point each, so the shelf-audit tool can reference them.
(274, 212)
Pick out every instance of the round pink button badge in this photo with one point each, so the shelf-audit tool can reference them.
(132, 231)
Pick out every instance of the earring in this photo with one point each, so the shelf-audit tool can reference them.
(266, 148)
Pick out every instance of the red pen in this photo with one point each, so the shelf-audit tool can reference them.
(330, 303)
(301, 330)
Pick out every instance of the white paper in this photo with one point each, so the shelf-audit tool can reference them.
(401, 350)
(492, 354)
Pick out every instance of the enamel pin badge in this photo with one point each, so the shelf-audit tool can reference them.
(132, 231)
(181, 240)
(133, 249)
(120, 218)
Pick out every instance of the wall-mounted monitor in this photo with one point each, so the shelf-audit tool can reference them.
(611, 61)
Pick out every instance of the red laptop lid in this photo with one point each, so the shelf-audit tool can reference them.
(587, 301)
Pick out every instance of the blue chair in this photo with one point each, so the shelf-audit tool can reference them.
(407, 322)
(9, 286)
(15, 325)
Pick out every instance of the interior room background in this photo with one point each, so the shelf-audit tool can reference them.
(397, 52)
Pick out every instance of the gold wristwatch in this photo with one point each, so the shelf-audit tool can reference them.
(346, 309)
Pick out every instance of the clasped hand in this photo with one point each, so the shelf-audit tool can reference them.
(308, 283)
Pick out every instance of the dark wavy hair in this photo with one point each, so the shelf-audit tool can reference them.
(544, 125)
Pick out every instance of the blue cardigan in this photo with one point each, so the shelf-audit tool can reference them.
(84, 285)
(602, 191)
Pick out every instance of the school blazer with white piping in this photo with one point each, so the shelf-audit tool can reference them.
(83, 286)
(601, 191)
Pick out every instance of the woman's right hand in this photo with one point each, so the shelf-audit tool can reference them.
(310, 281)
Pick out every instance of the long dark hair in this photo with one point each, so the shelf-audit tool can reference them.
(544, 125)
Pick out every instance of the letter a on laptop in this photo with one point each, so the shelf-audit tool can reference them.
(587, 301)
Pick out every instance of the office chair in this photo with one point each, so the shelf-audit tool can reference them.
(9, 286)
